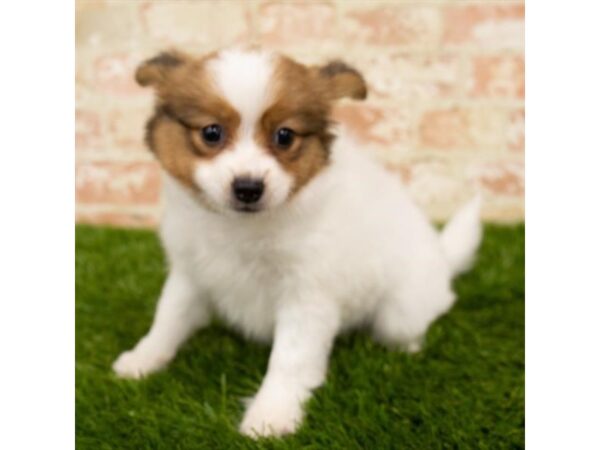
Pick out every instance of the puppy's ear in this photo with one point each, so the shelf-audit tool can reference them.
(156, 70)
(343, 80)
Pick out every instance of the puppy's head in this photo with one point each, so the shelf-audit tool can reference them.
(243, 129)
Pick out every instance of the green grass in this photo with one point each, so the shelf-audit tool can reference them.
(465, 390)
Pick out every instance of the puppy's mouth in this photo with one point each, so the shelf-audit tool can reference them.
(247, 209)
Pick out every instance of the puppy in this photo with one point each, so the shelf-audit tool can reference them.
(280, 225)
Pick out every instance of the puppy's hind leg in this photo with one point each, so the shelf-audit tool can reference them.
(402, 319)
(179, 313)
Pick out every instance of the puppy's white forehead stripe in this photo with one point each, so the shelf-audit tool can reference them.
(244, 79)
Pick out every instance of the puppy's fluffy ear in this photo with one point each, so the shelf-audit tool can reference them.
(343, 80)
(156, 70)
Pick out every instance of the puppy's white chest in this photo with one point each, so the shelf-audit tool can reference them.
(243, 283)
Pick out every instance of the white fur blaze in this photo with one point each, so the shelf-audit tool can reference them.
(462, 235)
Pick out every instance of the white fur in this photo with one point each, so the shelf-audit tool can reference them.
(244, 160)
(349, 249)
(244, 79)
(461, 237)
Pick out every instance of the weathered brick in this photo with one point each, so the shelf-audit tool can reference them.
(88, 130)
(504, 178)
(207, 25)
(106, 23)
(117, 183)
(497, 76)
(374, 125)
(485, 26)
(113, 73)
(504, 210)
(392, 25)
(411, 77)
(85, 5)
(403, 169)
(462, 128)
(285, 23)
(126, 128)
(119, 218)
(516, 131)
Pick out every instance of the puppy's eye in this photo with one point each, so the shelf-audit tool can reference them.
(284, 138)
(212, 134)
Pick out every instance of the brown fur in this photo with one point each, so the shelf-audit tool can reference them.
(186, 103)
(301, 105)
(170, 143)
(344, 81)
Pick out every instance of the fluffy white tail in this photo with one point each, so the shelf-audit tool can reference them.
(462, 235)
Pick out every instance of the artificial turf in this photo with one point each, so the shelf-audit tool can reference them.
(464, 391)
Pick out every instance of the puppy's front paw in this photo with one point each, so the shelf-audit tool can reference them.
(139, 362)
(273, 417)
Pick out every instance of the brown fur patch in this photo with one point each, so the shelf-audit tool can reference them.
(156, 69)
(344, 81)
(302, 105)
(186, 103)
(169, 141)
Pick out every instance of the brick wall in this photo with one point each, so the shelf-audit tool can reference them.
(445, 110)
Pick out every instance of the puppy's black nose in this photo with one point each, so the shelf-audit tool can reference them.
(248, 190)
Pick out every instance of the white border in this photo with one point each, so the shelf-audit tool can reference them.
(563, 225)
(36, 232)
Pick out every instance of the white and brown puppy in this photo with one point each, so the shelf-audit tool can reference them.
(281, 226)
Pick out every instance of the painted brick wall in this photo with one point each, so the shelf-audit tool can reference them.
(445, 110)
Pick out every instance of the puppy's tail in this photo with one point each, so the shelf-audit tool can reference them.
(462, 235)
